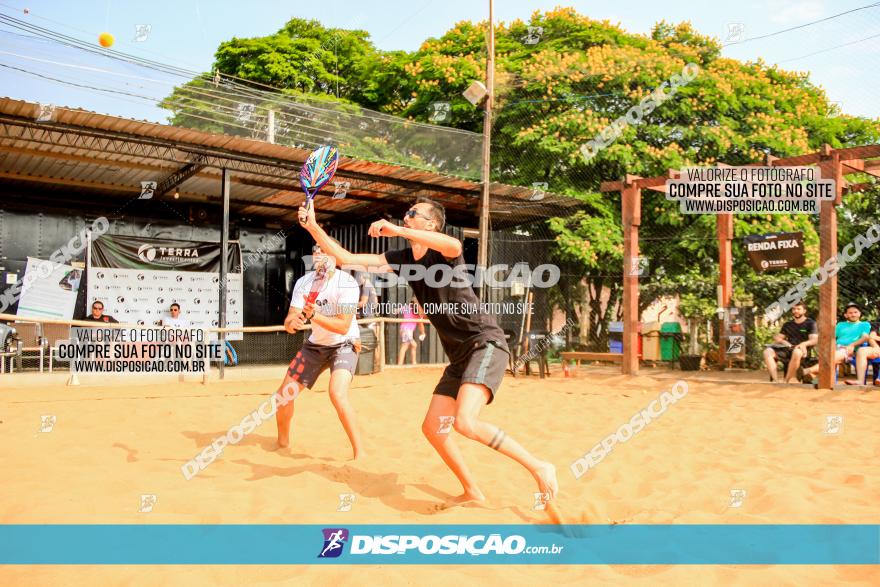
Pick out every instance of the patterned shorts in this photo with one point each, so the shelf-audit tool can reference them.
(313, 359)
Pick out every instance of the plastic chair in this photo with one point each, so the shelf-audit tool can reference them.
(873, 363)
(230, 355)
(9, 347)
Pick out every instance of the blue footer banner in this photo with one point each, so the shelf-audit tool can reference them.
(251, 544)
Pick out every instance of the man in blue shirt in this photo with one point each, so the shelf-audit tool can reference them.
(849, 335)
(865, 354)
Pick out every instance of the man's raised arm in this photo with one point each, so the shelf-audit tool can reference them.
(344, 258)
(448, 246)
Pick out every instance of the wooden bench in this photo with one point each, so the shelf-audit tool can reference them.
(577, 357)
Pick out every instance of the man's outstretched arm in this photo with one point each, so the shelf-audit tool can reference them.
(343, 257)
(448, 246)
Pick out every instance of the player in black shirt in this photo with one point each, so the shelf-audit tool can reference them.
(792, 343)
(472, 340)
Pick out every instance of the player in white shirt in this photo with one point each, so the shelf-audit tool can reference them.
(334, 342)
(176, 320)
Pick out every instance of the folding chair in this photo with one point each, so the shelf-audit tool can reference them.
(535, 338)
(30, 335)
(513, 346)
(52, 333)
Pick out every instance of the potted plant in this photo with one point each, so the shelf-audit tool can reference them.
(698, 311)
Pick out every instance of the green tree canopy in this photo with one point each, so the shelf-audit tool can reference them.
(555, 95)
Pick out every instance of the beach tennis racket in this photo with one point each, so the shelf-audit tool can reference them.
(317, 286)
(318, 169)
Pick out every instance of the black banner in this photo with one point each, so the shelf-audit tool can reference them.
(134, 252)
(775, 251)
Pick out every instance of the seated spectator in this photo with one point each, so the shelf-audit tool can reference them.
(792, 343)
(98, 314)
(176, 320)
(849, 335)
(865, 354)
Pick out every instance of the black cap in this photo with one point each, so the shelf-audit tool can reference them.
(852, 305)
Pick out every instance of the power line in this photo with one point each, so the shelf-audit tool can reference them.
(77, 43)
(107, 90)
(830, 49)
(189, 92)
(239, 90)
(229, 119)
(191, 112)
(801, 26)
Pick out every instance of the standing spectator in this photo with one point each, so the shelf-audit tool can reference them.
(98, 314)
(368, 299)
(410, 312)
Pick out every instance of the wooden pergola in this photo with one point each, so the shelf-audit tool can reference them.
(834, 164)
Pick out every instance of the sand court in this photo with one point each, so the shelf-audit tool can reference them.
(733, 452)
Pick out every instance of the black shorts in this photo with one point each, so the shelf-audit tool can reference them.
(782, 353)
(313, 359)
(485, 365)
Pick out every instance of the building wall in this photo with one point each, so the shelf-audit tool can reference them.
(26, 233)
(268, 277)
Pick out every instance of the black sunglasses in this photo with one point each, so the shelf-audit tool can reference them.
(412, 213)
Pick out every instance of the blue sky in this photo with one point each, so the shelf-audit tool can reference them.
(186, 33)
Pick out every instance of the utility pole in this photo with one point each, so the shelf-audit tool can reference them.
(483, 255)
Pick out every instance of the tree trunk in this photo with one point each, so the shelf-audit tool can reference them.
(567, 288)
(596, 333)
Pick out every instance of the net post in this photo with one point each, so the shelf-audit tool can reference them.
(270, 130)
(631, 213)
(483, 245)
(224, 261)
(724, 229)
(828, 290)
(207, 369)
(380, 344)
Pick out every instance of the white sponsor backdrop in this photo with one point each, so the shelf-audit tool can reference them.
(143, 296)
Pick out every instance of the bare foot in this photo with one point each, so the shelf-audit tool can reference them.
(468, 496)
(545, 475)
(283, 442)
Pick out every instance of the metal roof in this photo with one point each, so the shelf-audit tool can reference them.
(78, 154)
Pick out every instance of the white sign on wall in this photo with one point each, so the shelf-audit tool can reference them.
(49, 290)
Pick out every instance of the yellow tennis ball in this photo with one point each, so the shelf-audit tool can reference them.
(106, 39)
